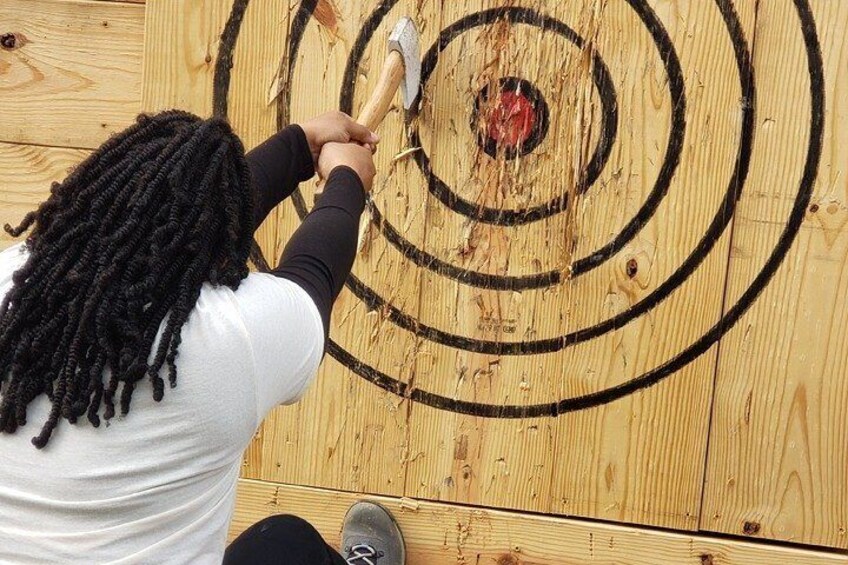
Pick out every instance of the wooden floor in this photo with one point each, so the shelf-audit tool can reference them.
(749, 440)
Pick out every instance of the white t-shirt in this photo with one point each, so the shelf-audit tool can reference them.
(158, 486)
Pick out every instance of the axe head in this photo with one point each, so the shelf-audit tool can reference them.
(404, 40)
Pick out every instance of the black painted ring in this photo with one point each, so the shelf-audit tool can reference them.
(596, 258)
(603, 84)
(700, 346)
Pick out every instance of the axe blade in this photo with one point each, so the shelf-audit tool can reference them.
(404, 40)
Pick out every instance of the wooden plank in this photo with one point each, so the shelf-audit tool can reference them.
(442, 534)
(778, 465)
(179, 54)
(26, 172)
(466, 457)
(182, 45)
(73, 76)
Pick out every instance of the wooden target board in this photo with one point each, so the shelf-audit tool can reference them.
(571, 234)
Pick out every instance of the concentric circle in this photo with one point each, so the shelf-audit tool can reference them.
(659, 190)
(603, 84)
(717, 226)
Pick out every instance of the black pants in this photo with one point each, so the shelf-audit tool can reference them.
(281, 540)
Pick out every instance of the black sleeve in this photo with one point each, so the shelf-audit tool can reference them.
(276, 168)
(320, 253)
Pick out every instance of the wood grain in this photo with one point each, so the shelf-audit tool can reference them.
(346, 433)
(443, 534)
(180, 50)
(74, 74)
(26, 172)
(778, 465)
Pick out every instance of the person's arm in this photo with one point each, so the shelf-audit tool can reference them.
(320, 253)
(276, 168)
(290, 156)
(287, 313)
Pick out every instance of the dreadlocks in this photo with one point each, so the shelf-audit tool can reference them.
(125, 241)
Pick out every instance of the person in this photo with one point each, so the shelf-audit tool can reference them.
(135, 339)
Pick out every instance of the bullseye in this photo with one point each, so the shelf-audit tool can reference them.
(512, 120)
(511, 123)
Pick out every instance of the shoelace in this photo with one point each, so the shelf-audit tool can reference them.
(360, 555)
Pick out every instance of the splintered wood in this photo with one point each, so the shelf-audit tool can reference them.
(605, 273)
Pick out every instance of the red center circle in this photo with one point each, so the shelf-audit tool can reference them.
(511, 122)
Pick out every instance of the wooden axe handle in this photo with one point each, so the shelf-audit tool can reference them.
(377, 107)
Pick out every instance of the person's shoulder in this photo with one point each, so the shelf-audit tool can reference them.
(265, 282)
(15, 251)
(12, 259)
(265, 295)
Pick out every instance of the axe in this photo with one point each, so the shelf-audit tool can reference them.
(402, 68)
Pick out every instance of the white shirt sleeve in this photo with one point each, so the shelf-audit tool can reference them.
(286, 335)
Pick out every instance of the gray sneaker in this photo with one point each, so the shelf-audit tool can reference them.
(371, 536)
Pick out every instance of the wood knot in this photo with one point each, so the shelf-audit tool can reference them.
(508, 559)
(9, 41)
(814, 208)
(632, 267)
(707, 559)
(751, 528)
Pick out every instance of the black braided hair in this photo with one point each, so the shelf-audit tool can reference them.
(124, 242)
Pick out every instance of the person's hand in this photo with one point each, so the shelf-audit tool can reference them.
(357, 157)
(336, 127)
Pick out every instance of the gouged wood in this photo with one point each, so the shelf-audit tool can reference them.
(778, 465)
(443, 534)
(593, 462)
(26, 172)
(74, 77)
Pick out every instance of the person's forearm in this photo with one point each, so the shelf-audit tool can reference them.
(277, 166)
(320, 253)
